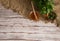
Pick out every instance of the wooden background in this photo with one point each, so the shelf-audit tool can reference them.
(14, 27)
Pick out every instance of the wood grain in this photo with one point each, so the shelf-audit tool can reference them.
(14, 27)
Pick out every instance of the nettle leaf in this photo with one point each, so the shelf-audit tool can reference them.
(45, 6)
(52, 15)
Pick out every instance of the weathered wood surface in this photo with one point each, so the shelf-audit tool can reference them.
(14, 27)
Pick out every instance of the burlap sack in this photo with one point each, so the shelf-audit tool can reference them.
(23, 7)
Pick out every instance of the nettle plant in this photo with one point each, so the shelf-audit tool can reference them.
(45, 7)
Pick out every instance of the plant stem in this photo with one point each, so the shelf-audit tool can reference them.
(34, 10)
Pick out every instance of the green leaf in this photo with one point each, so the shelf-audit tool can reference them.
(44, 6)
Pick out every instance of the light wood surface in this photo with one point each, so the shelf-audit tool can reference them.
(14, 27)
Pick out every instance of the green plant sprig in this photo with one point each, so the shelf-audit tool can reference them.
(45, 7)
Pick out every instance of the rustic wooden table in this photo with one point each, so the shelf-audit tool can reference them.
(14, 27)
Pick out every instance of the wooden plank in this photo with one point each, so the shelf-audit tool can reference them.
(28, 40)
(24, 40)
(25, 36)
(14, 40)
(29, 29)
